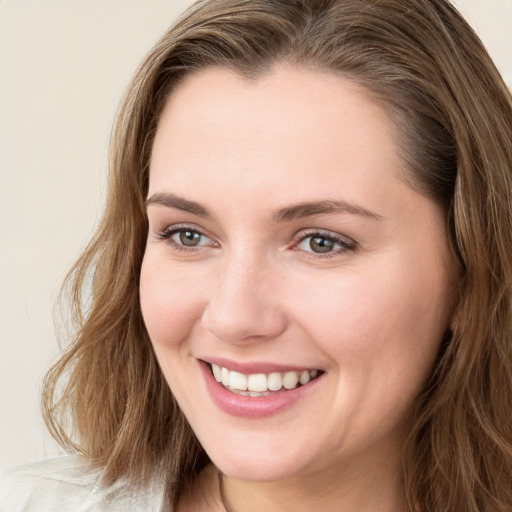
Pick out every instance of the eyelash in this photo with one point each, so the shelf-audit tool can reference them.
(345, 243)
(168, 233)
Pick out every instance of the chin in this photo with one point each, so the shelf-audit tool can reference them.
(256, 461)
(255, 470)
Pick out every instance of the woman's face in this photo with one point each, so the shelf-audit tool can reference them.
(284, 244)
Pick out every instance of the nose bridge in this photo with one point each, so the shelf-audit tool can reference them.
(243, 302)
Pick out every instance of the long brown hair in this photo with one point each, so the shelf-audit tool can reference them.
(107, 398)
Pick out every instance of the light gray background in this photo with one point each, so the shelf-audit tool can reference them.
(64, 65)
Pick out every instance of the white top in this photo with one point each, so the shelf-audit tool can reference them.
(68, 484)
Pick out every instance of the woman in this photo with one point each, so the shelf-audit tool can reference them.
(300, 288)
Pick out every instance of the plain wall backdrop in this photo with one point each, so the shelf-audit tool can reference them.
(64, 65)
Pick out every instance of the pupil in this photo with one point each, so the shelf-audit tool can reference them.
(321, 244)
(189, 238)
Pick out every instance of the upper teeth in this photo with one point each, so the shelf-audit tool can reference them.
(261, 382)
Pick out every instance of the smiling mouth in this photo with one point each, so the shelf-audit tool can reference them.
(261, 384)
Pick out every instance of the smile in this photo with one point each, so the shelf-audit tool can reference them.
(261, 384)
(257, 390)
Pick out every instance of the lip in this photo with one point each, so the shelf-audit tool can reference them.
(254, 407)
(252, 367)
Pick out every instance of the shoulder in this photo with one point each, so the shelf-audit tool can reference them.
(55, 484)
(69, 484)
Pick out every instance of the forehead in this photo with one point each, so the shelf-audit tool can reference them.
(293, 128)
(286, 97)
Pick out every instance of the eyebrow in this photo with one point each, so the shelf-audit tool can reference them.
(309, 209)
(296, 211)
(174, 201)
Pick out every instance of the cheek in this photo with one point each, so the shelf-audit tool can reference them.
(373, 321)
(171, 302)
(381, 335)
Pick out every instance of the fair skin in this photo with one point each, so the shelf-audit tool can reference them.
(355, 291)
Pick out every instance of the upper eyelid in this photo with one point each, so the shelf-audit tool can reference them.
(305, 233)
(178, 227)
(183, 226)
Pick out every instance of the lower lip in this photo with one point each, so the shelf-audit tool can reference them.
(254, 407)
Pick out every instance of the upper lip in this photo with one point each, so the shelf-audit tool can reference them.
(253, 367)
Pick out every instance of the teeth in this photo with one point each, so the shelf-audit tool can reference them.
(260, 384)
(305, 377)
(217, 372)
(274, 382)
(290, 380)
(237, 381)
(257, 382)
(225, 376)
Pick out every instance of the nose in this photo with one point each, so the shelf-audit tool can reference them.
(244, 303)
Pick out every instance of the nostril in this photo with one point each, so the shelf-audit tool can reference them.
(243, 321)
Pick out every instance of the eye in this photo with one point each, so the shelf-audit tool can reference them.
(186, 238)
(189, 238)
(325, 243)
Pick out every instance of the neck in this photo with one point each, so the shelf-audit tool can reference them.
(375, 487)
(368, 482)
(332, 495)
